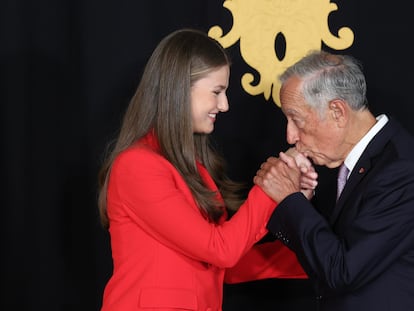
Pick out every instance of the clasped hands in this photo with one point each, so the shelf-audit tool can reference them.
(291, 172)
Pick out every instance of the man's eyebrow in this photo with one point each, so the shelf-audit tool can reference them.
(290, 111)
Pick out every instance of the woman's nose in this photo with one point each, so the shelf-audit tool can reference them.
(223, 104)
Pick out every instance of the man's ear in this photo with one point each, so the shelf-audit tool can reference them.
(338, 110)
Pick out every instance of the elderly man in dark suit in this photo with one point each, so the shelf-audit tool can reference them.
(362, 256)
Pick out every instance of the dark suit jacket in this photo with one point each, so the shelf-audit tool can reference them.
(362, 258)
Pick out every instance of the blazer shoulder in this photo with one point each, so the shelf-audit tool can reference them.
(140, 155)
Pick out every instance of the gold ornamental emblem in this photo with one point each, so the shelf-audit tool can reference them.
(258, 25)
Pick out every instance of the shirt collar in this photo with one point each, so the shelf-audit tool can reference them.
(356, 152)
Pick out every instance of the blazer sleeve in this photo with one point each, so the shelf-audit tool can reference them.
(149, 190)
(380, 233)
(264, 261)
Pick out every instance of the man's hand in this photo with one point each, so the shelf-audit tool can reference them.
(291, 172)
(278, 177)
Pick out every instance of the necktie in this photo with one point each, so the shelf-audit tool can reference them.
(342, 175)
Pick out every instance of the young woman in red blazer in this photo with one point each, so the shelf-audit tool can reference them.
(163, 193)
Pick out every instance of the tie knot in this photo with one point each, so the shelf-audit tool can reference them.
(342, 176)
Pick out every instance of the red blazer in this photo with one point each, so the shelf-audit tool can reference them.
(166, 255)
(265, 261)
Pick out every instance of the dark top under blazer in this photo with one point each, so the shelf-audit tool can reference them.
(362, 258)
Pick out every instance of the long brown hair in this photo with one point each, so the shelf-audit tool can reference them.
(162, 103)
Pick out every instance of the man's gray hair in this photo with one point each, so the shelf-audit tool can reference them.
(327, 76)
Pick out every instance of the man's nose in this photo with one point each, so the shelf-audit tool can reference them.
(292, 136)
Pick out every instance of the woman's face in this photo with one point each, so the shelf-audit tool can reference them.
(208, 98)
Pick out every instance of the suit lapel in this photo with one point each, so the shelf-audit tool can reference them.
(363, 166)
(360, 170)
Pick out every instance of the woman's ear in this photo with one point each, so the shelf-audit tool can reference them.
(338, 110)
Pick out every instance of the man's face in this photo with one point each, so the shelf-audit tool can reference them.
(315, 135)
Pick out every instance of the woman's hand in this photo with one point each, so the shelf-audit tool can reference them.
(309, 177)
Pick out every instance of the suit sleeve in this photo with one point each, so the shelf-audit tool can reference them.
(380, 233)
(148, 189)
